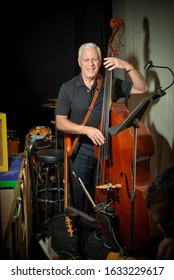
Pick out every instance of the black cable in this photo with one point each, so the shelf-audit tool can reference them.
(149, 65)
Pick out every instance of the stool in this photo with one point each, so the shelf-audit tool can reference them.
(46, 161)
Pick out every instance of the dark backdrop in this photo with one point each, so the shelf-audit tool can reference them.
(40, 53)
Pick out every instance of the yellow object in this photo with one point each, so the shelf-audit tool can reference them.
(116, 256)
(3, 144)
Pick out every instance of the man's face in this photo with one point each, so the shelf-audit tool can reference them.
(89, 62)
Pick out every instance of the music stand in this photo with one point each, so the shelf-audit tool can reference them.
(137, 113)
(132, 120)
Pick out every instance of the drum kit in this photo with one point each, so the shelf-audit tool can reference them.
(42, 136)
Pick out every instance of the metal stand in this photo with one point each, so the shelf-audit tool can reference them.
(133, 195)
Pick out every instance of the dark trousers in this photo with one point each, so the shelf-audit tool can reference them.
(84, 165)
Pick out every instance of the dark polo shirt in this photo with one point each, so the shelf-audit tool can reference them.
(74, 99)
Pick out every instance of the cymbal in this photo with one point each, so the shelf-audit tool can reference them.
(49, 105)
(52, 99)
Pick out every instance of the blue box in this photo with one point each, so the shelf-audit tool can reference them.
(9, 179)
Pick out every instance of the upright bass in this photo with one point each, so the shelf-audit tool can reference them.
(114, 178)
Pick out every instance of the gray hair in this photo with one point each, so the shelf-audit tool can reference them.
(89, 46)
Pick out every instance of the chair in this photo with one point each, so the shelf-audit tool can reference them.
(48, 178)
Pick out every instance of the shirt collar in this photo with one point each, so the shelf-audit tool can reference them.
(80, 82)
